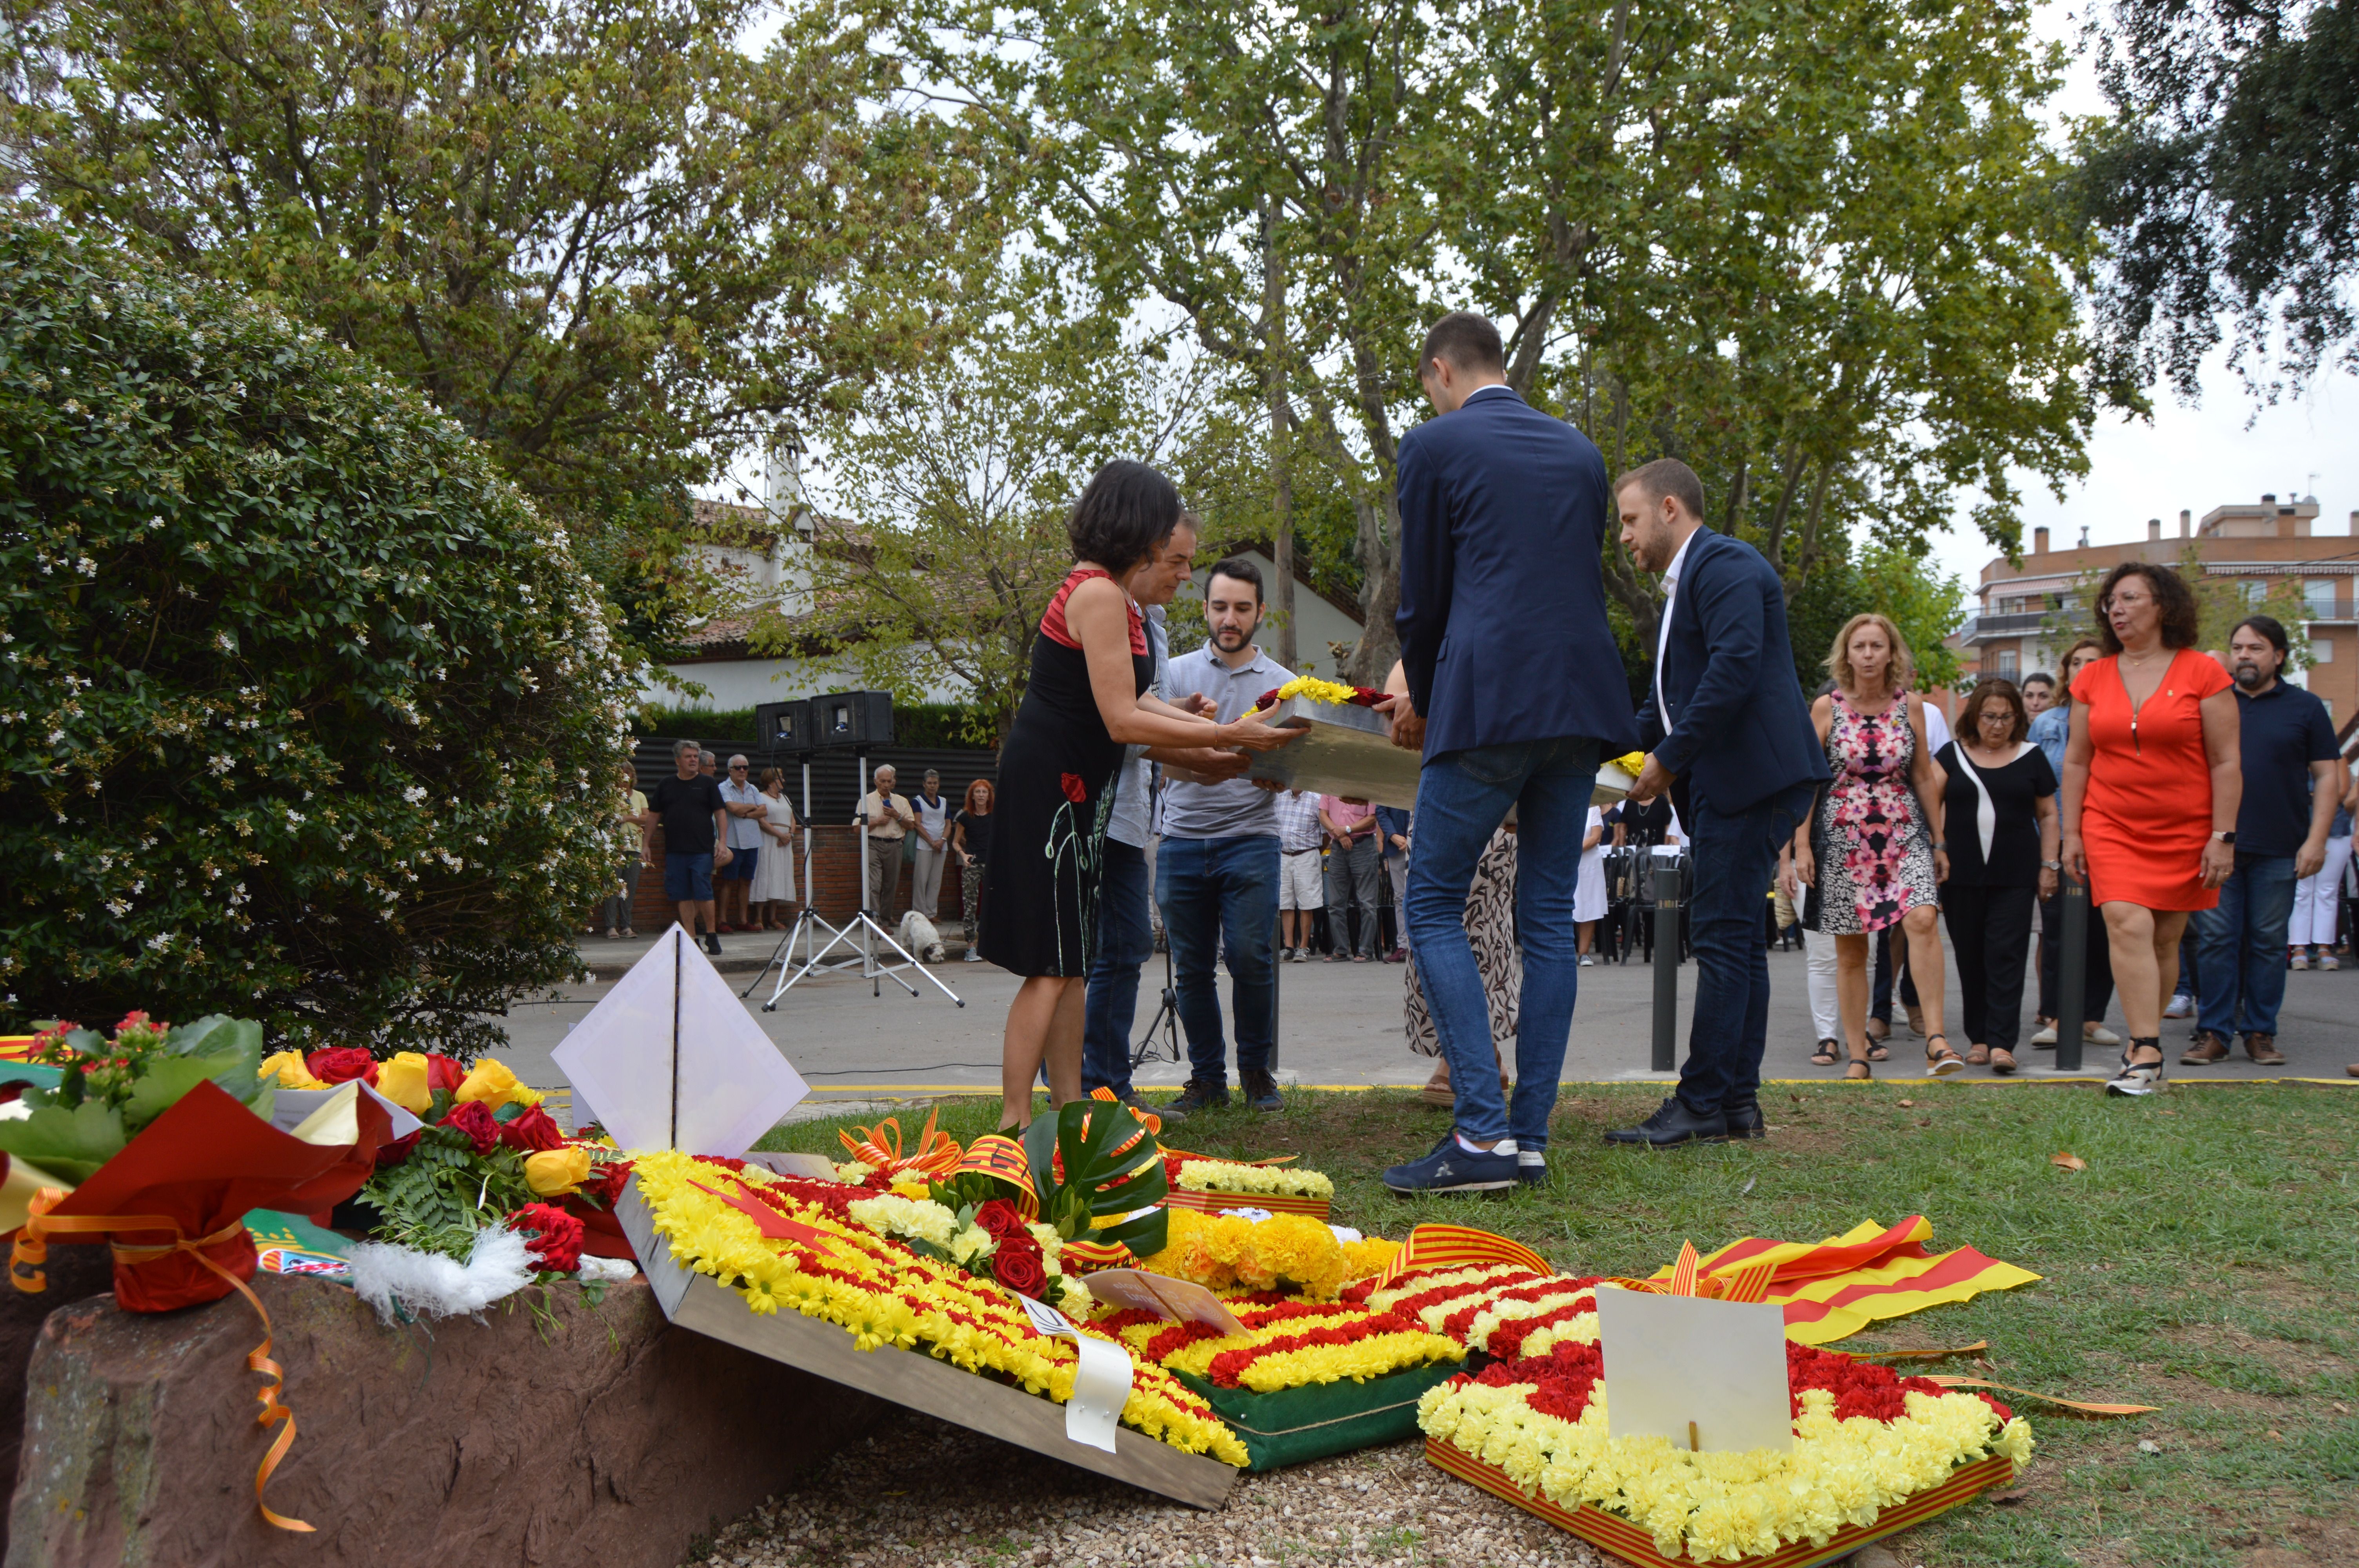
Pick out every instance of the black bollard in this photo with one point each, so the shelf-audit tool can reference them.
(1667, 960)
(2072, 973)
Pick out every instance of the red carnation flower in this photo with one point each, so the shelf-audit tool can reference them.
(476, 1122)
(554, 1236)
(533, 1132)
(1075, 790)
(1018, 1265)
(341, 1064)
(999, 1219)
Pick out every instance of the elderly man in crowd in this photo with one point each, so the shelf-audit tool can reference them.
(889, 818)
(731, 883)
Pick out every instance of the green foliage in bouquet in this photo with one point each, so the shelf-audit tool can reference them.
(1095, 1159)
(108, 1090)
(305, 714)
(437, 1199)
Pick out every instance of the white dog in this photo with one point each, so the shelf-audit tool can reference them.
(917, 936)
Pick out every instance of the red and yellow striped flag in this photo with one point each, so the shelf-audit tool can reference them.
(1458, 1246)
(1838, 1286)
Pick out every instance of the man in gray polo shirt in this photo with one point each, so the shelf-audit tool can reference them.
(1216, 871)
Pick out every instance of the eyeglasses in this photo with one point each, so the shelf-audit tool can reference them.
(737, 767)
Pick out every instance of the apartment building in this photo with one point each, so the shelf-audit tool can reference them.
(2254, 543)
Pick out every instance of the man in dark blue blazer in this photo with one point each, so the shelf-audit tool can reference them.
(1510, 683)
(1732, 742)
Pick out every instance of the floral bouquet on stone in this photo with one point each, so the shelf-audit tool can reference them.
(475, 1204)
(1872, 1451)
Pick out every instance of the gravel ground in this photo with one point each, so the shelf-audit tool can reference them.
(925, 1494)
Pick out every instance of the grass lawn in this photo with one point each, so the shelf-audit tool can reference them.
(2206, 1262)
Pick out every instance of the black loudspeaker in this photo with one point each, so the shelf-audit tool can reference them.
(861, 719)
(783, 726)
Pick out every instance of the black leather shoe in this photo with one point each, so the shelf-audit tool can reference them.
(1745, 1120)
(1260, 1090)
(1197, 1095)
(1673, 1123)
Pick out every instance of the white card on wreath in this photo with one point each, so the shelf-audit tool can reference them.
(1706, 1374)
(670, 1059)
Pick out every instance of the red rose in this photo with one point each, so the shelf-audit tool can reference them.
(341, 1064)
(1018, 1265)
(533, 1132)
(444, 1072)
(394, 1152)
(1075, 790)
(555, 1235)
(476, 1122)
(999, 1218)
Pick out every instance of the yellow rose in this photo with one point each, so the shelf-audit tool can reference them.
(288, 1069)
(556, 1172)
(402, 1081)
(491, 1082)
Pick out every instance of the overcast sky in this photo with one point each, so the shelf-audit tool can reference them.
(2225, 450)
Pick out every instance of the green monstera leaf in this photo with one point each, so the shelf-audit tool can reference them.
(1112, 1166)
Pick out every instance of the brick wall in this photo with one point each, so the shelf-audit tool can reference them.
(835, 868)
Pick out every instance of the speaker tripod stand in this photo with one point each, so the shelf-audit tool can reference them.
(862, 926)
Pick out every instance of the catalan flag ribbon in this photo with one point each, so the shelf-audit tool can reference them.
(1838, 1286)
(936, 1156)
(1004, 1158)
(1459, 1246)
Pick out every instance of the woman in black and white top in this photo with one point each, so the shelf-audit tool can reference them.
(2000, 823)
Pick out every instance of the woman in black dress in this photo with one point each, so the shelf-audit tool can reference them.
(2000, 825)
(1086, 700)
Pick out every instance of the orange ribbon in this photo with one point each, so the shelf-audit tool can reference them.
(1747, 1283)
(936, 1153)
(31, 1252)
(1004, 1159)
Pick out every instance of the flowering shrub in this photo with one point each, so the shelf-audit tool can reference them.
(305, 715)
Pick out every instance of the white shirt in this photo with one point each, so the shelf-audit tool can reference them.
(1937, 728)
(1663, 632)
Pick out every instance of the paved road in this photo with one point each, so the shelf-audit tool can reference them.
(1340, 1024)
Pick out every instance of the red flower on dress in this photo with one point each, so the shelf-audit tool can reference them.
(1075, 790)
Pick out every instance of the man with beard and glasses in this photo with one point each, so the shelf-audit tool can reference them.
(1216, 869)
(2293, 780)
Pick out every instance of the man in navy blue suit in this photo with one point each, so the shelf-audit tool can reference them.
(1514, 692)
(1732, 742)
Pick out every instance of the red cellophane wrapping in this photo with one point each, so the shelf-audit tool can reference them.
(204, 1165)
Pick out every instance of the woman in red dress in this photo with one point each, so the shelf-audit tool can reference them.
(2151, 782)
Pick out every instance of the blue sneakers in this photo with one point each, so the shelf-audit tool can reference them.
(1451, 1169)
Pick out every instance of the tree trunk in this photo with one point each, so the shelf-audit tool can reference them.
(1281, 476)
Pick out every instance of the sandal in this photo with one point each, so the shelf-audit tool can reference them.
(1879, 1029)
(1858, 1071)
(2002, 1060)
(1978, 1055)
(1878, 1050)
(1943, 1062)
(1824, 1056)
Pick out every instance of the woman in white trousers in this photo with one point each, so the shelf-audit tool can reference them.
(2318, 899)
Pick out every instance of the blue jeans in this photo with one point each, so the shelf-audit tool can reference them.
(1209, 887)
(1124, 943)
(1733, 855)
(2240, 947)
(1461, 798)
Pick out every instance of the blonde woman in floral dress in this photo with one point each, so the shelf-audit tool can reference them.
(1872, 853)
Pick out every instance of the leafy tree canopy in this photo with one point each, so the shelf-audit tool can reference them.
(610, 242)
(305, 714)
(2227, 185)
